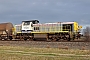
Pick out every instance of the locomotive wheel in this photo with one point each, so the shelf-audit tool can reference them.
(31, 39)
(69, 38)
(10, 37)
(64, 38)
(25, 39)
(48, 39)
(58, 39)
(54, 38)
(34, 39)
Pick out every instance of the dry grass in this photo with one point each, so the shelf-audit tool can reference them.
(26, 53)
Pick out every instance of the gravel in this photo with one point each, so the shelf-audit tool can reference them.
(44, 44)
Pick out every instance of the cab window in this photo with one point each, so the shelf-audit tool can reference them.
(26, 23)
(31, 25)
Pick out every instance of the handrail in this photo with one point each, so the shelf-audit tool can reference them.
(53, 28)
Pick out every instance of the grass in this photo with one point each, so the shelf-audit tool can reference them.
(26, 53)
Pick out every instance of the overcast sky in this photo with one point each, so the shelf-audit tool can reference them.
(16, 11)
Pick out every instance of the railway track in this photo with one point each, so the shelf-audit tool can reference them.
(43, 44)
(44, 40)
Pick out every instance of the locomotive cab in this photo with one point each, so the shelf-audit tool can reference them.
(27, 26)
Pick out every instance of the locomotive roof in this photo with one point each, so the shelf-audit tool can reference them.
(30, 20)
(67, 22)
(59, 23)
(33, 21)
(55, 23)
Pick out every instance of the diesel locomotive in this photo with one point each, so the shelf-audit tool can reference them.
(50, 31)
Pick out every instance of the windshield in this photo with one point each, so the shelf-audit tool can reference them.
(26, 23)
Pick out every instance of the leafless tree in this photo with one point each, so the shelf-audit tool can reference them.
(86, 32)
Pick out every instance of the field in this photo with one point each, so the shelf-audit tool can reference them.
(21, 50)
